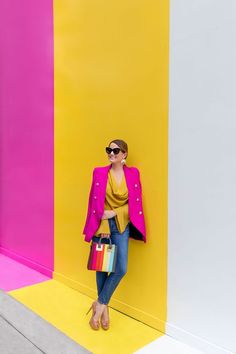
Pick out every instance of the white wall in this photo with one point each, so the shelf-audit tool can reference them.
(202, 174)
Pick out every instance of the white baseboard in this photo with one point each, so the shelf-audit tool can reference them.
(194, 341)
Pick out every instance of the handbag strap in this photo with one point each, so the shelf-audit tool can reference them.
(100, 242)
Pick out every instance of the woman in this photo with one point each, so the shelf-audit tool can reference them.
(119, 217)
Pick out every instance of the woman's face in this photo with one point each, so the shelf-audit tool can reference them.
(116, 158)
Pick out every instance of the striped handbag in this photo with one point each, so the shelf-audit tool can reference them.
(102, 256)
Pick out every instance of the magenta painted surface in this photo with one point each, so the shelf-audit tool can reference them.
(14, 275)
(26, 132)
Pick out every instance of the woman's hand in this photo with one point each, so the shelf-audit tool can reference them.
(105, 235)
(108, 214)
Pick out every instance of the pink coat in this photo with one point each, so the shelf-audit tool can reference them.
(97, 199)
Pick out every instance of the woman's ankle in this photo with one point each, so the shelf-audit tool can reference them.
(100, 302)
(105, 314)
(99, 310)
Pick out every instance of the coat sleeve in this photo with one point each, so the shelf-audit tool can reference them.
(134, 232)
(89, 203)
(139, 179)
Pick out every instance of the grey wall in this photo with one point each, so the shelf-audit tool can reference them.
(202, 174)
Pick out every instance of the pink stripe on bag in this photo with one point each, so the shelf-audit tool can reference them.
(98, 256)
(101, 257)
(94, 256)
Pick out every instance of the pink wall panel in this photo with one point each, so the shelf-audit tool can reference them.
(26, 131)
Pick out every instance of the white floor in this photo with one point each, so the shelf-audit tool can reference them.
(167, 345)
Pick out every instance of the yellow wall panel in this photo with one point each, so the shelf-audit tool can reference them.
(111, 81)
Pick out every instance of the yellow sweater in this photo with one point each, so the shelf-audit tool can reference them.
(117, 200)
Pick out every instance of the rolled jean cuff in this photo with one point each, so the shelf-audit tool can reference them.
(102, 302)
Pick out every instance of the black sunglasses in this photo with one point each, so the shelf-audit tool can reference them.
(115, 150)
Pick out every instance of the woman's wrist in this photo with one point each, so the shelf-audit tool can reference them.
(108, 214)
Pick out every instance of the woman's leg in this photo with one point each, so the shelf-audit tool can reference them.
(100, 276)
(113, 279)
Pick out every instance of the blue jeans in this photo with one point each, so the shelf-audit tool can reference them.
(107, 283)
